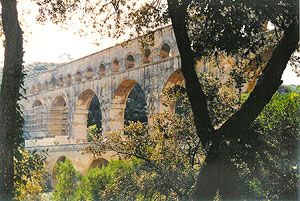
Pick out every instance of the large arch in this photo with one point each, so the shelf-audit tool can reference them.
(58, 117)
(176, 78)
(81, 114)
(99, 162)
(61, 159)
(118, 104)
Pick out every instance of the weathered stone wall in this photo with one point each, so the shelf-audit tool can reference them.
(57, 103)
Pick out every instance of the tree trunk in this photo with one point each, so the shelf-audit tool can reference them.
(10, 118)
(219, 173)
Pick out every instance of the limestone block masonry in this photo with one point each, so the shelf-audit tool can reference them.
(56, 108)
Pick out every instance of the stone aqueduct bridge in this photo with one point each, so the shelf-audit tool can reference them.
(57, 103)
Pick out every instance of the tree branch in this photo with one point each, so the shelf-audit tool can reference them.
(195, 93)
(267, 85)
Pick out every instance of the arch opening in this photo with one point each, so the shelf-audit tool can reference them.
(87, 113)
(147, 56)
(61, 82)
(135, 109)
(164, 51)
(89, 74)
(118, 106)
(102, 70)
(53, 83)
(78, 77)
(129, 61)
(33, 90)
(94, 119)
(46, 86)
(58, 117)
(34, 117)
(61, 159)
(115, 66)
(69, 80)
(39, 87)
(175, 79)
(100, 162)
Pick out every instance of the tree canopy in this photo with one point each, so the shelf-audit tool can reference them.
(203, 30)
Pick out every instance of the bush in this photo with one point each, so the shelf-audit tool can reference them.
(30, 175)
(108, 183)
(66, 181)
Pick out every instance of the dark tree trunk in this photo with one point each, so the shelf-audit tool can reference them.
(220, 173)
(10, 118)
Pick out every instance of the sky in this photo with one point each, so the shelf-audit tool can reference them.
(49, 43)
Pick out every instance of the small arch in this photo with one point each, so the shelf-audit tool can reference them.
(46, 85)
(61, 159)
(101, 70)
(59, 101)
(39, 87)
(147, 56)
(115, 66)
(129, 61)
(89, 74)
(78, 77)
(37, 103)
(164, 51)
(100, 162)
(61, 82)
(53, 83)
(69, 79)
(33, 90)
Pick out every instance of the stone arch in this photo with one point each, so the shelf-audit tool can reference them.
(58, 117)
(81, 115)
(37, 103)
(89, 73)
(100, 162)
(147, 56)
(33, 90)
(129, 61)
(39, 87)
(78, 77)
(34, 118)
(61, 159)
(165, 51)
(61, 82)
(118, 104)
(102, 70)
(46, 85)
(176, 78)
(115, 66)
(53, 83)
(69, 79)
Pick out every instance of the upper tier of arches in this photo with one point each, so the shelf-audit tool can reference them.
(116, 65)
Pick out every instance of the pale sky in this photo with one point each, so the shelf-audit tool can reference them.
(47, 43)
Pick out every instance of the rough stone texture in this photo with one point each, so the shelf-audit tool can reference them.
(57, 103)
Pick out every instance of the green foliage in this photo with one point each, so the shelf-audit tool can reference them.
(30, 175)
(94, 114)
(169, 156)
(93, 132)
(270, 161)
(135, 106)
(112, 182)
(66, 181)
